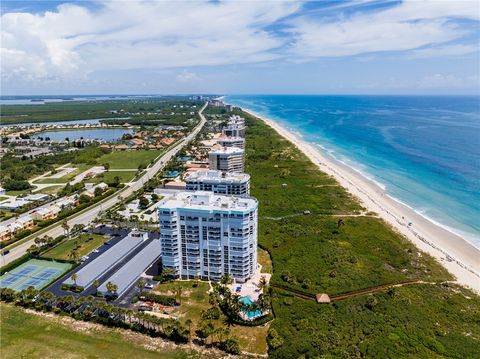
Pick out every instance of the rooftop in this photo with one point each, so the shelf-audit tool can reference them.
(218, 176)
(227, 151)
(204, 200)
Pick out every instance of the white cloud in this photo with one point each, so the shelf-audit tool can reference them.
(409, 25)
(187, 76)
(444, 51)
(139, 34)
(445, 81)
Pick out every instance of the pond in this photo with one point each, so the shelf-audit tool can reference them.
(105, 134)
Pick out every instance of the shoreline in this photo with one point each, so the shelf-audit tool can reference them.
(456, 254)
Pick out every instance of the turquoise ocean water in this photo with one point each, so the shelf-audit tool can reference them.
(423, 150)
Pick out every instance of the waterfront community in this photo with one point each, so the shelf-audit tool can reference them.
(225, 238)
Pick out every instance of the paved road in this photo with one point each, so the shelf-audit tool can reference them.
(89, 215)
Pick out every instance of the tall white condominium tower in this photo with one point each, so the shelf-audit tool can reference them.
(231, 142)
(235, 127)
(228, 159)
(236, 184)
(208, 235)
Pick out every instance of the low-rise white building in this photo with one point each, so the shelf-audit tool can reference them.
(228, 159)
(228, 183)
(208, 235)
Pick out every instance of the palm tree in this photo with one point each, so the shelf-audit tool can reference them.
(111, 287)
(178, 295)
(262, 284)
(141, 284)
(74, 278)
(226, 279)
(96, 284)
(74, 254)
(169, 272)
(66, 228)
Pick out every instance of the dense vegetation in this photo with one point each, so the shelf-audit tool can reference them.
(136, 109)
(334, 250)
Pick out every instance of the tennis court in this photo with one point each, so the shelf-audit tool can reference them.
(35, 273)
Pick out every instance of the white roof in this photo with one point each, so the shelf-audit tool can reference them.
(36, 197)
(227, 151)
(215, 176)
(24, 219)
(204, 200)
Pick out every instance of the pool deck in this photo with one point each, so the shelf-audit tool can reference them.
(249, 287)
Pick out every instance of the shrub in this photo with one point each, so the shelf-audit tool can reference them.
(160, 299)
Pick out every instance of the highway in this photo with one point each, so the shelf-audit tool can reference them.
(18, 250)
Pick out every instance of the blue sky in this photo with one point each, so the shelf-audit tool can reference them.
(324, 47)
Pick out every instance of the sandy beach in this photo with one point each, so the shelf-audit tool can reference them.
(460, 257)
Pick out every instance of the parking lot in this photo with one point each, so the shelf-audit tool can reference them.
(116, 237)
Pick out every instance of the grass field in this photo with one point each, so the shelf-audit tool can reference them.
(195, 300)
(319, 253)
(51, 189)
(85, 243)
(20, 193)
(26, 335)
(129, 159)
(3, 198)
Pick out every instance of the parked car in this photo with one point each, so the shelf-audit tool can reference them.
(144, 308)
(149, 285)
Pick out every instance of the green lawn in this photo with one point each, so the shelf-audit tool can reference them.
(317, 253)
(25, 335)
(3, 198)
(20, 193)
(129, 159)
(85, 243)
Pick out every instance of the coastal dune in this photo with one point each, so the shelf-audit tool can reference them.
(458, 256)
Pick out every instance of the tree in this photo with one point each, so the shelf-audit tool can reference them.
(143, 202)
(155, 197)
(274, 340)
(84, 199)
(169, 272)
(78, 227)
(226, 279)
(98, 191)
(73, 254)
(116, 181)
(141, 284)
(262, 283)
(33, 250)
(178, 295)
(232, 346)
(66, 228)
(112, 288)
(96, 284)
(306, 283)
(74, 278)
(106, 166)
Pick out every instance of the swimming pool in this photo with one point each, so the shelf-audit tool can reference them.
(251, 314)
